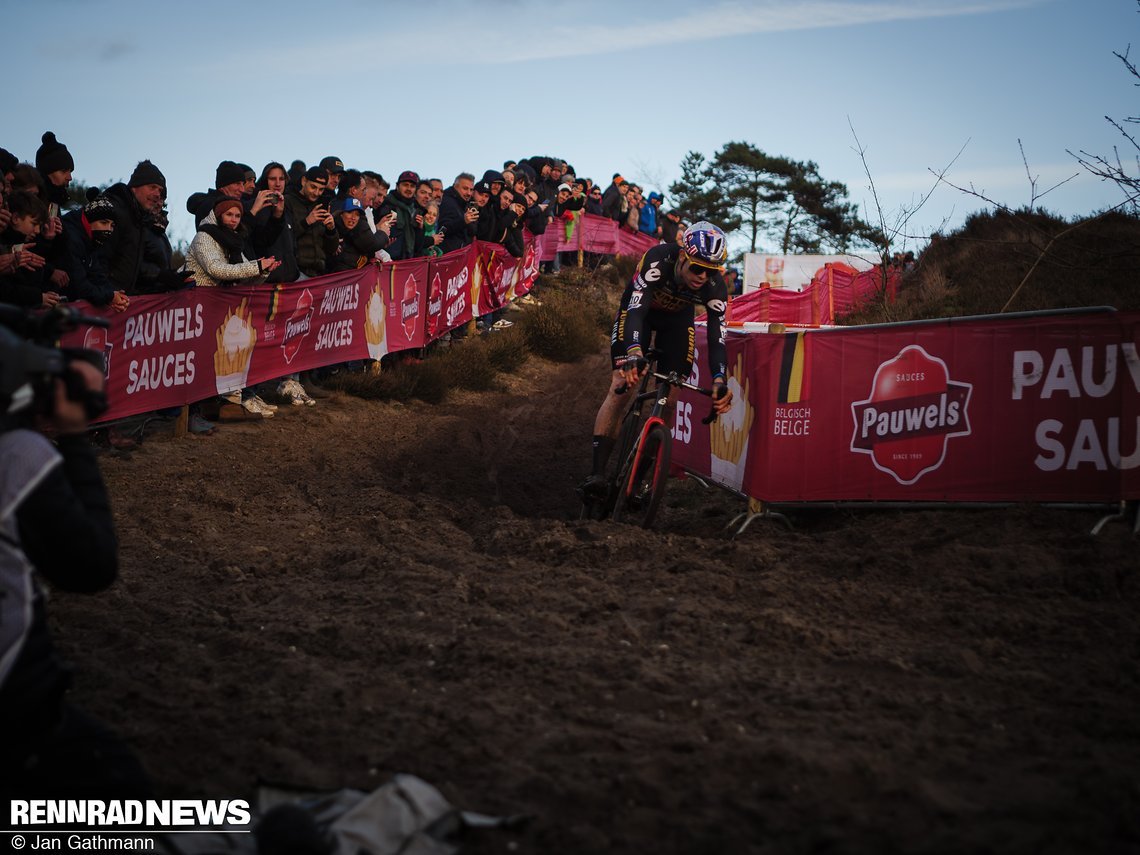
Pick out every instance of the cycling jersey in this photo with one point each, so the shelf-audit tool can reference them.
(656, 301)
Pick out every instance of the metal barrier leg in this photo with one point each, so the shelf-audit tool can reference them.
(756, 510)
(1126, 508)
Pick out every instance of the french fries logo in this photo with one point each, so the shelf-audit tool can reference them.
(374, 322)
(728, 435)
(236, 338)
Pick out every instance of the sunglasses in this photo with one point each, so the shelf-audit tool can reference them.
(698, 267)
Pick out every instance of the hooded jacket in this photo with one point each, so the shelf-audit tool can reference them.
(647, 221)
(88, 271)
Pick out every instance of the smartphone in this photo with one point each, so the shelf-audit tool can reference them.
(441, 230)
(53, 209)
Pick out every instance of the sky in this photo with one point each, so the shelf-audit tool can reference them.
(995, 92)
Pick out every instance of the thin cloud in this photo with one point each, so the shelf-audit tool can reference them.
(736, 19)
(116, 50)
(573, 39)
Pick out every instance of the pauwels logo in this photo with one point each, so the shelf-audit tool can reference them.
(435, 305)
(96, 339)
(410, 306)
(913, 410)
(297, 327)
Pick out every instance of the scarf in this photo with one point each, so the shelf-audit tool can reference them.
(228, 239)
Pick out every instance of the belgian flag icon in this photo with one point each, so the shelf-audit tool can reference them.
(795, 373)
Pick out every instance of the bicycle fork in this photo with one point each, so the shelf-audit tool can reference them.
(635, 471)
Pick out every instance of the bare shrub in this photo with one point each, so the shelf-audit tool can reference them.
(564, 328)
(507, 350)
(1036, 258)
(401, 381)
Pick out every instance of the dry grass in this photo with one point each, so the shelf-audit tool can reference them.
(577, 307)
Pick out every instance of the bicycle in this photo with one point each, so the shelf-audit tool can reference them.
(639, 468)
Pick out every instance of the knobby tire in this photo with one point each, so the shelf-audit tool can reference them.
(639, 493)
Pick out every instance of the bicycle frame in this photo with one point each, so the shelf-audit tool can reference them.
(639, 484)
(661, 393)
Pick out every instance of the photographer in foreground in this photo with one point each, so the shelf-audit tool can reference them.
(55, 523)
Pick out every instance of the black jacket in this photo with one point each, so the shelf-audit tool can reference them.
(88, 271)
(403, 231)
(357, 246)
(126, 249)
(314, 243)
(458, 233)
(277, 241)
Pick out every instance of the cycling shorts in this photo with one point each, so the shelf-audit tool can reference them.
(672, 333)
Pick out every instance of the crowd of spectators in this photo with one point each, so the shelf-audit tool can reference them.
(282, 225)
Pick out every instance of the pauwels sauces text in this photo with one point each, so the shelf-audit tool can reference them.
(1088, 372)
(162, 327)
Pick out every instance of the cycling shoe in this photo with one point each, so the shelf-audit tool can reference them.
(593, 488)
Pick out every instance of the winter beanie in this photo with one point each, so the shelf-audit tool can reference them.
(228, 172)
(53, 156)
(98, 206)
(147, 173)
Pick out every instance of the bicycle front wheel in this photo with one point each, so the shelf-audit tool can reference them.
(643, 478)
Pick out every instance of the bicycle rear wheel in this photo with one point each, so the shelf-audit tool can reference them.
(640, 490)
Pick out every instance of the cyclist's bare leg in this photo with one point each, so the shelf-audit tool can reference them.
(609, 414)
(606, 426)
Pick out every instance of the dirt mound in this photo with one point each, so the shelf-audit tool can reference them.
(357, 589)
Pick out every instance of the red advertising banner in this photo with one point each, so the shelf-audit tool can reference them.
(592, 233)
(1033, 408)
(452, 275)
(185, 346)
(494, 275)
(835, 290)
(406, 285)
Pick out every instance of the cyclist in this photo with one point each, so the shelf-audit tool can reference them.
(670, 282)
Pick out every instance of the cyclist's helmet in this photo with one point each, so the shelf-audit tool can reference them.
(705, 245)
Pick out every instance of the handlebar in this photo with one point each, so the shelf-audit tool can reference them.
(673, 379)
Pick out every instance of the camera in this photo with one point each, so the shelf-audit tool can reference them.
(273, 198)
(30, 363)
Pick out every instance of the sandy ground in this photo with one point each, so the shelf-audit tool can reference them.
(363, 588)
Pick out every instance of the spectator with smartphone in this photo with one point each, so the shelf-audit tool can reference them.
(267, 208)
(313, 225)
(403, 228)
(358, 244)
(270, 190)
(457, 215)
